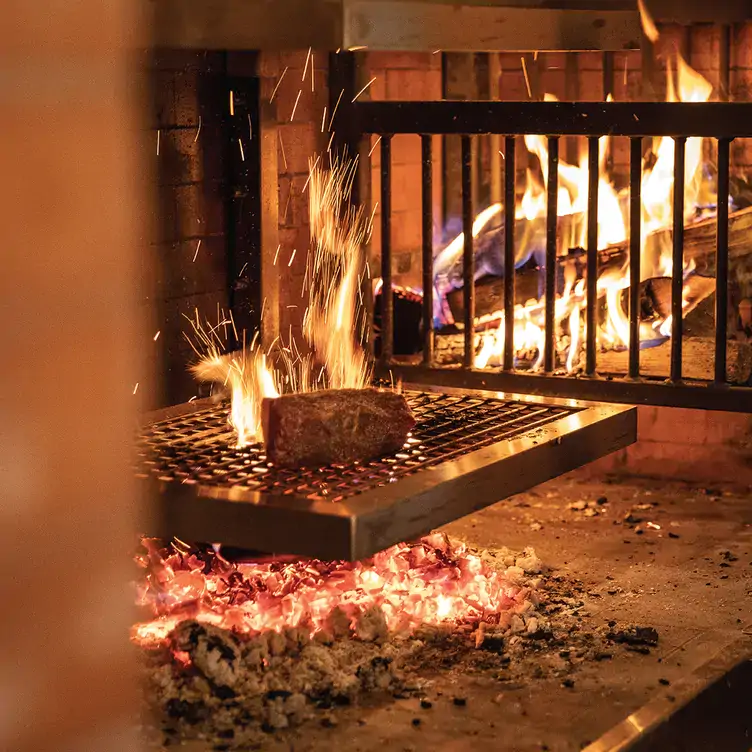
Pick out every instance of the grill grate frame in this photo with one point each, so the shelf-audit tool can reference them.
(197, 448)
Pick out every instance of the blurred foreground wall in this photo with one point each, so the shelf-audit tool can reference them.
(71, 207)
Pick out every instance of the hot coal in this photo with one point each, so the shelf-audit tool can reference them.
(334, 426)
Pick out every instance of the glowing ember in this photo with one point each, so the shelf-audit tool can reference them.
(429, 582)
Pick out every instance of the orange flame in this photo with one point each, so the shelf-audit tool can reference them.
(656, 251)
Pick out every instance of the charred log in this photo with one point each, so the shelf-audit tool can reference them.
(334, 426)
(408, 315)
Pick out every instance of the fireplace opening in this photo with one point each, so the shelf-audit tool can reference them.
(276, 598)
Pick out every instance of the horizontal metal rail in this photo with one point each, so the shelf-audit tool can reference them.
(721, 122)
(708, 119)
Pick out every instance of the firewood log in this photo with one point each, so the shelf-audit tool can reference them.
(334, 426)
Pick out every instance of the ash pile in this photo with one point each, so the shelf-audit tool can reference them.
(437, 606)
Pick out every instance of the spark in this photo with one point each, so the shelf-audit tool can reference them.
(323, 120)
(198, 130)
(232, 103)
(250, 128)
(279, 81)
(364, 88)
(195, 255)
(375, 144)
(277, 254)
(240, 273)
(334, 111)
(356, 48)
(263, 306)
(289, 263)
(502, 154)
(287, 205)
(135, 388)
(156, 336)
(527, 80)
(158, 141)
(242, 153)
(653, 525)
(313, 84)
(295, 106)
(282, 147)
(626, 59)
(535, 55)
(310, 172)
(436, 52)
(329, 145)
(193, 398)
(305, 67)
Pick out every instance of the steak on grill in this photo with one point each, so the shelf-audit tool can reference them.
(334, 426)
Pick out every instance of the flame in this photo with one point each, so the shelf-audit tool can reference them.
(685, 85)
(431, 582)
(339, 233)
(334, 275)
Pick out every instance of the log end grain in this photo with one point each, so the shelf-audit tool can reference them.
(335, 426)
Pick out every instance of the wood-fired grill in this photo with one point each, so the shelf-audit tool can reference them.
(466, 452)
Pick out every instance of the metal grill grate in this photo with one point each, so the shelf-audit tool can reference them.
(198, 448)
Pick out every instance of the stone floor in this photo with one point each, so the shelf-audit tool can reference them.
(688, 574)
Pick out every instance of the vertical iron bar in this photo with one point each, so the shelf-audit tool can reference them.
(468, 257)
(387, 301)
(592, 254)
(549, 352)
(427, 215)
(510, 144)
(677, 274)
(635, 252)
(722, 262)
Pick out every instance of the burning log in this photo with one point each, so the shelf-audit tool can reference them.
(334, 426)
(698, 360)
(489, 293)
(700, 239)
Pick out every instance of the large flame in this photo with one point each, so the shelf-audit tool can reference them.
(335, 271)
(685, 85)
(432, 581)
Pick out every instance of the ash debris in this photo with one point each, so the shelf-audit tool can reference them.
(233, 690)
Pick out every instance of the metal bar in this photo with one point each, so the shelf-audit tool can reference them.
(635, 250)
(592, 255)
(387, 302)
(549, 353)
(706, 119)
(722, 261)
(468, 254)
(677, 275)
(427, 230)
(701, 396)
(608, 92)
(724, 63)
(509, 251)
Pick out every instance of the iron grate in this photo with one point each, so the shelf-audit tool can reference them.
(198, 448)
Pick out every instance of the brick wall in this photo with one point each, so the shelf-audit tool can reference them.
(693, 445)
(404, 76)
(189, 243)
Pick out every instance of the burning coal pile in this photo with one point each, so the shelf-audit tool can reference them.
(236, 649)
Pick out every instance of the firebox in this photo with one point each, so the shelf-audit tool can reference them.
(528, 218)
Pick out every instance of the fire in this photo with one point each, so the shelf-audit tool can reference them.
(334, 275)
(431, 581)
(656, 257)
